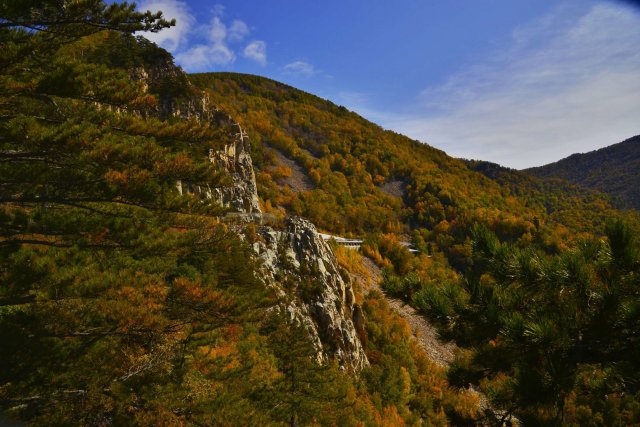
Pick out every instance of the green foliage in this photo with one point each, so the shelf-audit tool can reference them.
(306, 391)
(402, 379)
(123, 302)
(403, 287)
(112, 283)
(541, 327)
(578, 208)
(72, 19)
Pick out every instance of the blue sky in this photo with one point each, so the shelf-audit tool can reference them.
(518, 82)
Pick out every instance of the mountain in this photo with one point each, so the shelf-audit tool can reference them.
(349, 176)
(614, 170)
(161, 264)
(532, 278)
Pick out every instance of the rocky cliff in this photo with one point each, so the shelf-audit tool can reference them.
(323, 301)
(242, 194)
(297, 262)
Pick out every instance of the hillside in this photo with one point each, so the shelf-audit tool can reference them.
(360, 178)
(545, 193)
(614, 170)
(532, 279)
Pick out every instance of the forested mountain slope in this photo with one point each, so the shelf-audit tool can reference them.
(535, 280)
(352, 163)
(614, 170)
(545, 193)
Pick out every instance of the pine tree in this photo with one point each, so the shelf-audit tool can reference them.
(107, 272)
(307, 391)
(550, 323)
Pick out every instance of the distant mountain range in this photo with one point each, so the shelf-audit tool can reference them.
(614, 170)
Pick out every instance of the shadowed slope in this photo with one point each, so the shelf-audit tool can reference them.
(614, 170)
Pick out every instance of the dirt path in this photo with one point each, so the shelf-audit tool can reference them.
(440, 352)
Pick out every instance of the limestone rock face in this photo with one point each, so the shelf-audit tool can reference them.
(323, 302)
(297, 263)
(242, 195)
(326, 303)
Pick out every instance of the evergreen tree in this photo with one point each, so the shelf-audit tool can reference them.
(108, 274)
(307, 390)
(541, 325)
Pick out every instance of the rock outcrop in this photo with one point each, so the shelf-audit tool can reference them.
(315, 294)
(325, 303)
(321, 300)
(242, 195)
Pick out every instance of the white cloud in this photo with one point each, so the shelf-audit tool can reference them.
(566, 84)
(300, 68)
(204, 57)
(175, 37)
(216, 52)
(217, 31)
(256, 51)
(202, 47)
(238, 30)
